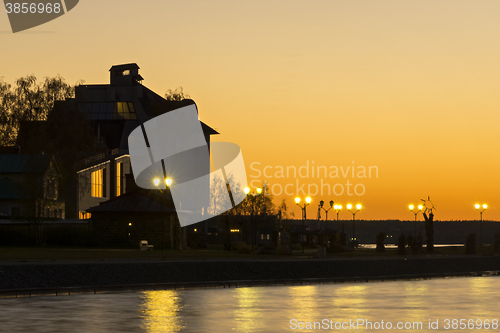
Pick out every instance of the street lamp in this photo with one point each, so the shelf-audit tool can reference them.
(420, 207)
(304, 216)
(321, 203)
(168, 182)
(478, 206)
(358, 208)
(252, 197)
(337, 208)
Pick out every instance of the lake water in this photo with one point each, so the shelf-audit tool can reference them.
(265, 309)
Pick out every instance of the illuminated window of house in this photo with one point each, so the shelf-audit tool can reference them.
(125, 110)
(98, 183)
(108, 110)
(83, 215)
(119, 177)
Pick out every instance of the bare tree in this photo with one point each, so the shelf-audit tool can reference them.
(28, 100)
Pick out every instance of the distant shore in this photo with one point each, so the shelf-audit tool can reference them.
(71, 277)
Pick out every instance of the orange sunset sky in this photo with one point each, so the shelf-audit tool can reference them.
(411, 87)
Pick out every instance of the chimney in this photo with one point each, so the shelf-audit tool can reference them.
(124, 75)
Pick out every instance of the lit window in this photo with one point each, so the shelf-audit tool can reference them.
(261, 236)
(125, 110)
(126, 72)
(83, 215)
(119, 171)
(195, 230)
(108, 110)
(98, 183)
(267, 236)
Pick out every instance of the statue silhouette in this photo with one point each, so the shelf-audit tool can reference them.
(429, 230)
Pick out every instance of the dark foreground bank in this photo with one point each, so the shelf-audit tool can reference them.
(22, 278)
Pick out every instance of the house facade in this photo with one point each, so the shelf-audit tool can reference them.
(100, 178)
(29, 187)
(113, 110)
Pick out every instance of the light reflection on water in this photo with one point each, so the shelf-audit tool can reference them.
(258, 309)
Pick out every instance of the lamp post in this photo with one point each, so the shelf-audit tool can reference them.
(478, 206)
(358, 208)
(321, 203)
(168, 182)
(420, 207)
(252, 197)
(304, 216)
(337, 208)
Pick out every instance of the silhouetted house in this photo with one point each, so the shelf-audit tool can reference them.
(113, 110)
(29, 186)
(267, 236)
(136, 215)
(300, 235)
(322, 236)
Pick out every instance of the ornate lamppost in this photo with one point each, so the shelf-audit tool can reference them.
(358, 208)
(420, 207)
(304, 216)
(168, 182)
(478, 206)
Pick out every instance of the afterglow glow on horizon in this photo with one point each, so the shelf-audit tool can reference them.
(410, 87)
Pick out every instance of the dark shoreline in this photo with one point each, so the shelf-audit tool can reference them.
(19, 279)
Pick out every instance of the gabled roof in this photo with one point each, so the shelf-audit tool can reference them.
(323, 231)
(124, 67)
(300, 230)
(267, 230)
(24, 163)
(138, 201)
